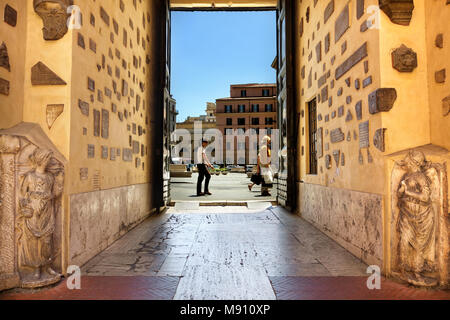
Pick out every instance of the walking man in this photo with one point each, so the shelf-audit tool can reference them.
(202, 166)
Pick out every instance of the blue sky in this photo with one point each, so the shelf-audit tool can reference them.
(211, 50)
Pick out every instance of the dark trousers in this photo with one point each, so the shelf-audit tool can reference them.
(202, 173)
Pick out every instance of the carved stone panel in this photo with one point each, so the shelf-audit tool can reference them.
(337, 157)
(378, 139)
(96, 123)
(342, 23)
(446, 106)
(105, 152)
(4, 57)
(10, 16)
(319, 143)
(105, 124)
(84, 174)
(54, 16)
(404, 59)
(328, 11)
(41, 75)
(91, 151)
(84, 107)
(328, 161)
(439, 42)
(349, 116)
(364, 135)
(356, 57)
(360, 8)
(4, 87)
(399, 11)
(382, 100)
(53, 112)
(127, 155)
(419, 222)
(337, 135)
(31, 185)
(440, 76)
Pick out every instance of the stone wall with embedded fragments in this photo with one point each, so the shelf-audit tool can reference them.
(438, 46)
(113, 59)
(337, 65)
(12, 61)
(377, 70)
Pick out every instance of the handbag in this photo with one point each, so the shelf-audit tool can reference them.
(256, 179)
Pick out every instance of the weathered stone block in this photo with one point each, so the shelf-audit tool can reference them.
(382, 100)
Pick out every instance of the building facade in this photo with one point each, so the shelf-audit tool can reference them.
(196, 127)
(249, 107)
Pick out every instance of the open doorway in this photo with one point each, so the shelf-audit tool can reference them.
(227, 82)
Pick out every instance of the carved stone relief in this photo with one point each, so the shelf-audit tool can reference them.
(4, 57)
(419, 222)
(337, 135)
(328, 161)
(342, 23)
(54, 15)
(378, 139)
(382, 100)
(364, 135)
(446, 106)
(41, 75)
(4, 87)
(319, 143)
(53, 112)
(10, 16)
(31, 187)
(404, 59)
(399, 11)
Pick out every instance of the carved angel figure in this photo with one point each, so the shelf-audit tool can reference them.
(38, 192)
(416, 221)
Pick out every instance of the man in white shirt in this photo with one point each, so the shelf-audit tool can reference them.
(202, 165)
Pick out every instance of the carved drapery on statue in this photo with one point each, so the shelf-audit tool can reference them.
(32, 182)
(419, 223)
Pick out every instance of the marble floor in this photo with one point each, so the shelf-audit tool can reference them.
(225, 253)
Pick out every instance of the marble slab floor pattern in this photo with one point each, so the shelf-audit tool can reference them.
(224, 253)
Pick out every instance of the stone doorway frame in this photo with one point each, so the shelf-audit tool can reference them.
(160, 201)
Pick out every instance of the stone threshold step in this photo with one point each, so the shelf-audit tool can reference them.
(197, 204)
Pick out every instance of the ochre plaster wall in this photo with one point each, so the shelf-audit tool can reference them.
(11, 106)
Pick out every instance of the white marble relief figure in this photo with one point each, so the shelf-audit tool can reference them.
(38, 192)
(416, 221)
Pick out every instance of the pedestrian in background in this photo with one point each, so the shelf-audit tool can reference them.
(202, 165)
(265, 170)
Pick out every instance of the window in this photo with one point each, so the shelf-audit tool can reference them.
(241, 121)
(269, 131)
(266, 92)
(255, 107)
(269, 107)
(243, 93)
(240, 131)
(269, 121)
(312, 121)
(228, 145)
(228, 131)
(228, 109)
(229, 122)
(255, 121)
(241, 108)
